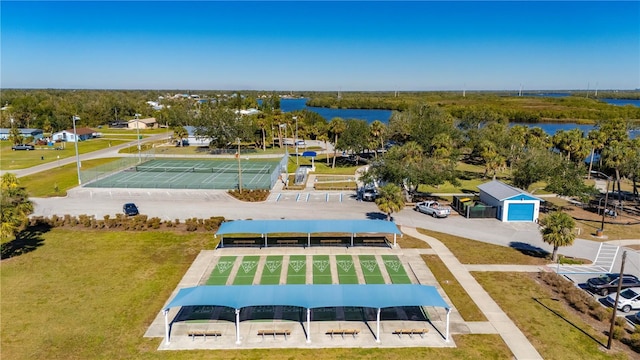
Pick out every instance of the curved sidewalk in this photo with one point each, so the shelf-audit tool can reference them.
(512, 336)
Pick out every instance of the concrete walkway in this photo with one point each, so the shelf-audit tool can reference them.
(512, 336)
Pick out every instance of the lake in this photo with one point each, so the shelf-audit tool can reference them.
(369, 115)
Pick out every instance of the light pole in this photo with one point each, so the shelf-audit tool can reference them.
(239, 168)
(138, 136)
(75, 141)
(296, 138)
(606, 198)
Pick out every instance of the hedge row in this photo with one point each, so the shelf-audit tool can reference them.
(123, 222)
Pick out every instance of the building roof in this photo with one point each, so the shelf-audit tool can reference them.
(22, 130)
(309, 296)
(80, 131)
(144, 121)
(502, 191)
(308, 227)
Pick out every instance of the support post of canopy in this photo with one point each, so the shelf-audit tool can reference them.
(352, 239)
(221, 240)
(166, 327)
(308, 325)
(446, 336)
(308, 239)
(238, 326)
(378, 326)
(394, 239)
(266, 236)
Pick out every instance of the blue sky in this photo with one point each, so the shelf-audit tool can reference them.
(320, 45)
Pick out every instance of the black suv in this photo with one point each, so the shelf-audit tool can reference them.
(130, 209)
(607, 283)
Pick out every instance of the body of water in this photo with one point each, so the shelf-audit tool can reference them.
(622, 102)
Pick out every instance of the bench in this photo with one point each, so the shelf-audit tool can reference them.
(274, 332)
(374, 241)
(343, 332)
(330, 241)
(287, 241)
(204, 333)
(252, 242)
(410, 332)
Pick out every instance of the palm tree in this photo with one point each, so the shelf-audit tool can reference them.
(336, 127)
(597, 139)
(557, 230)
(179, 133)
(390, 199)
(377, 130)
(615, 156)
(15, 206)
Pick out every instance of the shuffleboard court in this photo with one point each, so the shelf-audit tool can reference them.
(271, 271)
(346, 270)
(221, 271)
(321, 269)
(370, 269)
(247, 270)
(395, 269)
(297, 269)
(196, 174)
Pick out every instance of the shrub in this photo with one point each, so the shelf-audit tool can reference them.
(618, 332)
(601, 313)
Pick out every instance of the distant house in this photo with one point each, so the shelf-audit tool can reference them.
(513, 204)
(35, 133)
(148, 123)
(84, 133)
(194, 140)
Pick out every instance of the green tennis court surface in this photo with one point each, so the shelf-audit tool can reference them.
(194, 174)
(271, 271)
(297, 269)
(221, 271)
(395, 270)
(321, 269)
(346, 270)
(370, 269)
(247, 270)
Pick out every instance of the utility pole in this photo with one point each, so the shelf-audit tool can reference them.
(239, 168)
(615, 304)
(606, 198)
(75, 142)
(138, 136)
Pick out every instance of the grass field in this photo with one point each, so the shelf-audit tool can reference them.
(221, 271)
(395, 269)
(370, 269)
(321, 269)
(297, 269)
(247, 271)
(346, 270)
(271, 271)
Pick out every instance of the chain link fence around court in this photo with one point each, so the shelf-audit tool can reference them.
(112, 167)
(172, 173)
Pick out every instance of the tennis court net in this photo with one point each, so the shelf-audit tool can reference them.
(195, 169)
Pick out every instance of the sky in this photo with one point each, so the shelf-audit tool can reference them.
(322, 46)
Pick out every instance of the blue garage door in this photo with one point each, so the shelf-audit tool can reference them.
(520, 212)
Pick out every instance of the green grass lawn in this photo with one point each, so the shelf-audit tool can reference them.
(370, 269)
(297, 269)
(62, 178)
(14, 160)
(484, 253)
(247, 270)
(395, 269)
(271, 271)
(92, 294)
(551, 328)
(221, 271)
(346, 270)
(321, 269)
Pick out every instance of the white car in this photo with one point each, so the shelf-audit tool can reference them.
(433, 208)
(629, 299)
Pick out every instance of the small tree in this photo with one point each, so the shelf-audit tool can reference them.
(557, 230)
(179, 133)
(15, 207)
(390, 199)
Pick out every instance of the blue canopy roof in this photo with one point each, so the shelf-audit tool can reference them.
(308, 227)
(309, 296)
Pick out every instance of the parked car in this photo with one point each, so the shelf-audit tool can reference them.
(369, 194)
(23, 147)
(637, 317)
(629, 299)
(608, 283)
(433, 208)
(130, 209)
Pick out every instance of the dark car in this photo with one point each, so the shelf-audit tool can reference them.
(23, 147)
(130, 209)
(607, 283)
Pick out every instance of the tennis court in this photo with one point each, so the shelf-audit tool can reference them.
(196, 174)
